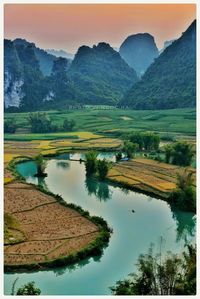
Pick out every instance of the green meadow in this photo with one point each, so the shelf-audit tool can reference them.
(113, 122)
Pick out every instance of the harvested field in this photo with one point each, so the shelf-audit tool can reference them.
(147, 175)
(51, 230)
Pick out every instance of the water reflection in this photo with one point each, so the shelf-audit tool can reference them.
(71, 268)
(186, 224)
(63, 164)
(99, 189)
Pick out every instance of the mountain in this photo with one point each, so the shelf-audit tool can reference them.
(60, 89)
(139, 51)
(170, 82)
(26, 88)
(60, 53)
(167, 43)
(100, 74)
(22, 75)
(45, 59)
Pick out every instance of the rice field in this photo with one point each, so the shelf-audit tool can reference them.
(147, 175)
(45, 229)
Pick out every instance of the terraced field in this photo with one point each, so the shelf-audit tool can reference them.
(147, 176)
(41, 229)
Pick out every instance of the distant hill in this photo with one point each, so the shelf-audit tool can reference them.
(139, 51)
(100, 75)
(170, 82)
(60, 53)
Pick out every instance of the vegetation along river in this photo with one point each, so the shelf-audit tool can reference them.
(132, 232)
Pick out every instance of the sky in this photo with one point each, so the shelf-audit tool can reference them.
(68, 26)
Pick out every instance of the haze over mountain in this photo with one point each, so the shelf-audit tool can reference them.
(60, 53)
(139, 51)
(101, 75)
(170, 82)
(167, 43)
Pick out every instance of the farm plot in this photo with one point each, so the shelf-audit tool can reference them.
(50, 230)
(147, 175)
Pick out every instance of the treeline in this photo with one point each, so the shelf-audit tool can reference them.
(40, 122)
(138, 141)
(145, 140)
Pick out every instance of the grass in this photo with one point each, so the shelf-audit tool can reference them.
(113, 121)
(12, 230)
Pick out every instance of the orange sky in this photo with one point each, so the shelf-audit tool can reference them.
(68, 26)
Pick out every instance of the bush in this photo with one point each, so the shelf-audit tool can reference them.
(29, 289)
(10, 126)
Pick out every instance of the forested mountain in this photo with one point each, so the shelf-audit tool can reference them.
(139, 51)
(35, 79)
(60, 88)
(25, 86)
(22, 75)
(170, 82)
(45, 59)
(101, 75)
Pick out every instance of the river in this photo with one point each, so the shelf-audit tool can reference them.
(153, 221)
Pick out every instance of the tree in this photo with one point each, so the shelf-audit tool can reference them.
(118, 156)
(182, 153)
(158, 275)
(103, 167)
(168, 153)
(184, 196)
(130, 149)
(91, 162)
(10, 126)
(68, 125)
(29, 289)
(40, 163)
(145, 140)
(40, 123)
